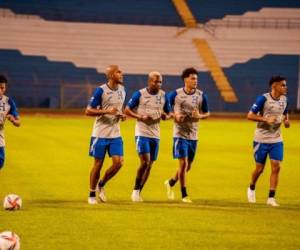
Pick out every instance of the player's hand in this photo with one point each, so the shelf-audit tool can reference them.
(145, 118)
(164, 116)
(270, 120)
(179, 117)
(286, 123)
(196, 114)
(10, 118)
(112, 111)
(123, 117)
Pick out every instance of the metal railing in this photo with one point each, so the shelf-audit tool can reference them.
(255, 22)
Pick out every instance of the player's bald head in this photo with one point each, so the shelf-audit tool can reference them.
(114, 74)
(110, 70)
(153, 75)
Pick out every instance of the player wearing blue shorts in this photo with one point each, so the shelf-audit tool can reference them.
(147, 106)
(8, 110)
(269, 110)
(106, 105)
(189, 105)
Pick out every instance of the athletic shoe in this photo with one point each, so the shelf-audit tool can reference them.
(102, 195)
(251, 195)
(135, 196)
(186, 199)
(272, 202)
(92, 200)
(140, 198)
(170, 192)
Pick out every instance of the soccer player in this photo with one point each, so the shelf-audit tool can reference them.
(8, 110)
(269, 111)
(190, 105)
(148, 106)
(107, 105)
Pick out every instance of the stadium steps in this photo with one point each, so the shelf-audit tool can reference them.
(216, 71)
(185, 13)
(135, 48)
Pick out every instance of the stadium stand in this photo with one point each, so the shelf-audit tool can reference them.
(154, 12)
(57, 63)
(206, 10)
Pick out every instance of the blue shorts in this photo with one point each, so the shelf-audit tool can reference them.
(262, 150)
(183, 148)
(147, 145)
(99, 146)
(2, 157)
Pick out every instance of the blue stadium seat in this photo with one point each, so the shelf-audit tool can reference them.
(35, 82)
(205, 10)
(154, 12)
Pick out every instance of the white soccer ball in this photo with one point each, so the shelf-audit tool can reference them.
(12, 202)
(9, 241)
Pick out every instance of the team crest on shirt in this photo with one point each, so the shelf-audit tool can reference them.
(194, 100)
(281, 104)
(120, 95)
(2, 106)
(158, 99)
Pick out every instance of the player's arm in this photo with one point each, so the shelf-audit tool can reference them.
(286, 118)
(15, 120)
(255, 112)
(203, 112)
(132, 105)
(258, 118)
(178, 117)
(95, 102)
(97, 111)
(13, 115)
(167, 110)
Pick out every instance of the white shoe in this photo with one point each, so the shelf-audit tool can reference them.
(102, 195)
(187, 200)
(135, 196)
(92, 200)
(272, 202)
(170, 192)
(251, 195)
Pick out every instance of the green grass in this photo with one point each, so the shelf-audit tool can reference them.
(47, 165)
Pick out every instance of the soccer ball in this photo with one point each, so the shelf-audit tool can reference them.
(12, 202)
(9, 241)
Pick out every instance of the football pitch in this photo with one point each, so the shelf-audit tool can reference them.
(47, 164)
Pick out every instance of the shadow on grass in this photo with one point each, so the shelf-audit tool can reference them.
(126, 205)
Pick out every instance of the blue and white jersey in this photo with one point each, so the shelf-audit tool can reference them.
(267, 106)
(184, 104)
(107, 125)
(144, 103)
(7, 106)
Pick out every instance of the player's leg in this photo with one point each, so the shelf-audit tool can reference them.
(97, 150)
(2, 157)
(276, 156)
(260, 156)
(143, 149)
(144, 164)
(179, 151)
(94, 178)
(154, 147)
(146, 174)
(115, 151)
(192, 147)
(183, 163)
(117, 162)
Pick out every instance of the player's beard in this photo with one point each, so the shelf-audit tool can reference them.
(120, 82)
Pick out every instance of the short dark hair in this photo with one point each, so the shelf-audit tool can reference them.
(3, 79)
(276, 79)
(187, 72)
